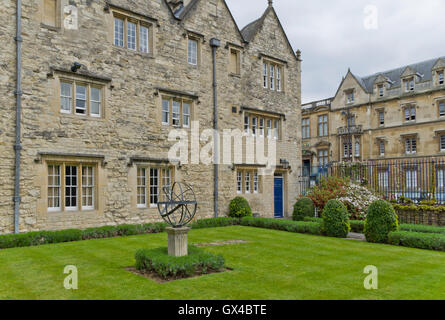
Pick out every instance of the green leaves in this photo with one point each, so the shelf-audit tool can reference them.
(239, 207)
(381, 219)
(336, 219)
(158, 261)
(304, 207)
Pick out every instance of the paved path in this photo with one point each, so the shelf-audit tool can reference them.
(356, 236)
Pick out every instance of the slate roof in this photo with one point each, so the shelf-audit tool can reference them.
(424, 69)
(251, 29)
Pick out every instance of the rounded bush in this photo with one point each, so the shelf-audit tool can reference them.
(336, 219)
(303, 208)
(239, 208)
(381, 219)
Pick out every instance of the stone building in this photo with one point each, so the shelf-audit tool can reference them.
(396, 114)
(104, 83)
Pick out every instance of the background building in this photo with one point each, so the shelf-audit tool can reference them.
(390, 119)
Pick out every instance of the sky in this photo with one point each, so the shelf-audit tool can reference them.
(364, 35)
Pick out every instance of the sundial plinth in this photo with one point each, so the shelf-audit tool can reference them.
(177, 241)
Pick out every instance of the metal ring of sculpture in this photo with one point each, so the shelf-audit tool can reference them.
(180, 206)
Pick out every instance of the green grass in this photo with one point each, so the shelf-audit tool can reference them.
(272, 265)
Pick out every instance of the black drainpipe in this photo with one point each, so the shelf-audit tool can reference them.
(18, 92)
(215, 44)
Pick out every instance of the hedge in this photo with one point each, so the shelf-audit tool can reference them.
(303, 208)
(381, 219)
(47, 237)
(430, 241)
(239, 208)
(335, 219)
(421, 228)
(158, 261)
(215, 223)
(357, 226)
(283, 225)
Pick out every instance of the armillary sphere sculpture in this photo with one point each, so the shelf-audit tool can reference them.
(180, 206)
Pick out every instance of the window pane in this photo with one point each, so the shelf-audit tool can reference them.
(95, 101)
(239, 182)
(144, 39)
(154, 186)
(176, 116)
(142, 187)
(71, 187)
(165, 111)
(186, 115)
(87, 187)
(66, 97)
(193, 52)
(118, 32)
(131, 35)
(54, 187)
(81, 99)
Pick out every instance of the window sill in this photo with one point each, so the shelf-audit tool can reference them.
(71, 212)
(235, 75)
(52, 28)
(134, 52)
(82, 117)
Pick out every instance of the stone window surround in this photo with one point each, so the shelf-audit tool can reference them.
(440, 77)
(410, 106)
(250, 172)
(182, 100)
(58, 14)
(269, 63)
(325, 125)
(139, 20)
(439, 102)
(381, 112)
(199, 38)
(410, 143)
(409, 84)
(237, 67)
(160, 167)
(269, 119)
(324, 152)
(349, 96)
(306, 128)
(79, 162)
(75, 81)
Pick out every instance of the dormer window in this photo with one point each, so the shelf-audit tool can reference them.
(441, 77)
(350, 96)
(381, 90)
(409, 85)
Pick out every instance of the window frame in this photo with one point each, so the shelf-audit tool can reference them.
(441, 104)
(88, 97)
(249, 180)
(181, 116)
(411, 116)
(273, 79)
(442, 142)
(128, 18)
(410, 145)
(323, 127)
(148, 188)
(190, 40)
(79, 186)
(441, 77)
(306, 128)
(235, 69)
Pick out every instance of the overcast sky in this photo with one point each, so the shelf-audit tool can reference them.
(332, 36)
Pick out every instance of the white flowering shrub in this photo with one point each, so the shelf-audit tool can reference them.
(357, 200)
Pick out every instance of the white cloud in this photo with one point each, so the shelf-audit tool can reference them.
(332, 36)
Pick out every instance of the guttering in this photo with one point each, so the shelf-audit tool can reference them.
(18, 93)
(215, 44)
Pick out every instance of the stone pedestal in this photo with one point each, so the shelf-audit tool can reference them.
(177, 241)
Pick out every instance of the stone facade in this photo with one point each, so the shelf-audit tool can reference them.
(127, 133)
(379, 124)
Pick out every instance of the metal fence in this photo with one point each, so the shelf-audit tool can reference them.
(417, 178)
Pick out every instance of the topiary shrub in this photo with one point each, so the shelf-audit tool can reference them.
(335, 219)
(239, 208)
(303, 208)
(381, 219)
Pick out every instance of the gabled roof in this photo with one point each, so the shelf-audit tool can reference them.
(182, 12)
(250, 31)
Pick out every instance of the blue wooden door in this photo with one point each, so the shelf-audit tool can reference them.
(278, 197)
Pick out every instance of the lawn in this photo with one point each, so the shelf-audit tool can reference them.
(272, 265)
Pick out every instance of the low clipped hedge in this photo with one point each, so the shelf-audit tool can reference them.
(283, 225)
(48, 237)
(215, 223)
(421, 228)
(239, 208)
(158, 261)
(336, 219)
(357, 226)
(313, 219)
(381, 219)
(303, 208)
(429, 241)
